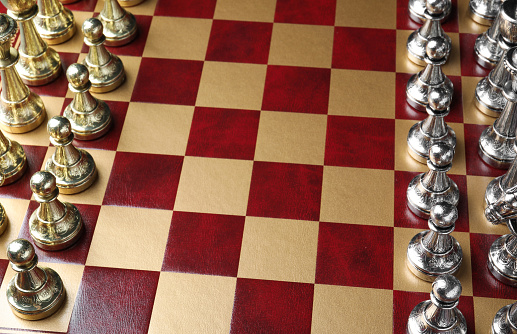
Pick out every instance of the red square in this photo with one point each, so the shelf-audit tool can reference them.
(113, 300)
(469, 66)
(355, 255)
(223, 133)
(404, 22)
(483, 283)
(242, 42)
(58, 87)
(360, 142)
(361, 49)
(3, 268)
(144, 180)
(20, 188)
(306, 11)
(186, 8)
(297, 89)
(404, 111)
(170, 81)
(205, 244)
(76, 254)
(475, 165)
(405, 218)
(272, 307)
(281, 190)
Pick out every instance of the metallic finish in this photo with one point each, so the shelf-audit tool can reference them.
(505, 320)
(73, 168)
(487, 48)
(435, 252)
(90, 117)
(4, 221)
(54, 23)
(119, 25)
(67, 2)
(106, 69)
(439, 314)
(129, 3)
(419, 84)
(434, 186)
(416, 10)
(39, 64)
(417, 41)
(34, 292)
(484, 11)
(496, 143)
(433, 129)
(501, 196)
(13, 161)
(508, 13)
(502, 256)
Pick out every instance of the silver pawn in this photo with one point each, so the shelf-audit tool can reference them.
(417, 10)
(435, 252)
(432, 129)
(505, 320)
(434, 186)
(484, 11)
(502, 256)
(440, 314)
(432, 75)
(497, 141)
(417, 41)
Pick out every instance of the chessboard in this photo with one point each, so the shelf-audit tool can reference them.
(254, 179)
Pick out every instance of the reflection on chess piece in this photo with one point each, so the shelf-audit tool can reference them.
(119, 25)
(13, 161)
(54, 225)
(34, 292)
(54, 22)
(66, 2)
(20, 109)
(440, 314)
(505, 320)
(432, 129)
(484, 11)
(431, 76)
(417, 41)
(73, 168)
(90, 117)
(129, 3)
(39, 64)
(435, 252)
(417, 10)
(434, 186)
(106, 69)
(502, 256)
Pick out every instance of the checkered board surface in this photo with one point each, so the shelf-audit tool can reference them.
(254, 180)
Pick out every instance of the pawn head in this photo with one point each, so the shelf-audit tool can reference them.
(20, 252)
(77, 75)
(441, 154)
(43, 184)
(92, 29)
(8, 28)
(436, 7)
(59, 128)
(446, 289)
(439, 98)
(444, 214)
(437, 48)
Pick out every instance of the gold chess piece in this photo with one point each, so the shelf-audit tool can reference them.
(54, 225)
(34, 292)
(39, 64)
(90, 117)
(106, 69)
(130, 3)
(13, 161)
(54, 23)
(20, 109)
(119, 25)
(67, 2)
(73, 168)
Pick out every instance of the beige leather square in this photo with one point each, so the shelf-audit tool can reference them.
(245, 10)
(15, 209)
(366, 14)
(471, 114)
(485, 310)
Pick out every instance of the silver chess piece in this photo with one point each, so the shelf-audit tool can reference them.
(417, 41)
(505, 320)
(439, 315)
(435, 252)
(434, 186)
(432, 75)
(417, 9)
(502, 256)
(484, 11)
(432, 129)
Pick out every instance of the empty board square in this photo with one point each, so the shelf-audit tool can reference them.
(245, 10)
(306, 11)
(366, 14)
(186, 8)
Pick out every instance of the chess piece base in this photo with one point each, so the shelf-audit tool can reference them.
(56, 29)
(419, 143)
(76, 178)
(481, 18)
(119, 32)
(494, 150)
(500, 261)
(489, 98)
(31, 107)
(4, 221)
(15, 161)
(487, 51)
(501, 323)
(39, 70)
(107, 77)
(420, 200)
(130, 3)
(417, 323)
(89, 126)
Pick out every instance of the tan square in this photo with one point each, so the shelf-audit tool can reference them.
(71, 276)
(362, 93)
(366, 14)
(404, 65)
(178, 38)
(214, 186)
(190, 303)
(231, 85)
(75, 44)
(403, 278)
(146, 7)
(346, 192)
(124, 92)
(132, 239)
(404, 162)
(147, 125)
(291, 137)
(301, 45)
(471, 113)
(465, 23)
(342, 309)
(485, 310)
(245, 10)
(40, 136)
(278, 249)
(15, 210)
(476, 187)
(95, 194)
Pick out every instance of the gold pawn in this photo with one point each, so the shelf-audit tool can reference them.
(54, 23)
